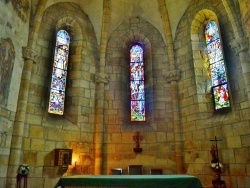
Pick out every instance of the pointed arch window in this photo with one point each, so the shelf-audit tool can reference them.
(59, 73)
(219, 83)
(137, 83)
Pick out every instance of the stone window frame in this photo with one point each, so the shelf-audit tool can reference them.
(200, 58)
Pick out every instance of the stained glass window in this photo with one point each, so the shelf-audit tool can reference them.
(59, 73)
(217, 66)
(137, 94)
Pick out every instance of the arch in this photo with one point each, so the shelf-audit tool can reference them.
(247, 26)
(129, 40)
(201, 58)
(83, 43)
(231, 12)
(199, 22)
(217, 67)
(117, 66)
(74, 25)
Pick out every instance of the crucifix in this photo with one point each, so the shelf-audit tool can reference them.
(137, 138)
(217, 183)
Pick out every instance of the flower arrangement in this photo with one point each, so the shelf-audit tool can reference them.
(23, 169)
(215, 164)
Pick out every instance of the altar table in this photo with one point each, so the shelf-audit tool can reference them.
(135, 181)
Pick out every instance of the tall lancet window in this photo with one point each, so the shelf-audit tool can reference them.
(59, 73)
(137, 94)
(219, 81)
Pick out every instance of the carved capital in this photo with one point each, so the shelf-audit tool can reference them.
(29, 54)
(240, 45)
(101, 78)
(173, 75)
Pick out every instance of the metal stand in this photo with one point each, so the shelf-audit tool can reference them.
(20, 178)
(217, 182)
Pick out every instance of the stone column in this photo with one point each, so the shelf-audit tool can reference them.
(29, 56)
(100, 79)
(172, 77)
(240, 47)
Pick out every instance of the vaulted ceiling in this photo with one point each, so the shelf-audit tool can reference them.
(121, 10)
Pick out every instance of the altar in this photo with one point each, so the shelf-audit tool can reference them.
(135, 181)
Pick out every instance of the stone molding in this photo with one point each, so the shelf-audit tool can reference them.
(29, 54)
(101, 78)
(240, 45)
(173, 75)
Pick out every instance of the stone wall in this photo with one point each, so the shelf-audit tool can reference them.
(13, 35)
(200, 123)
(157, 131)
(96, 124)
(43, 132)
(245, 16)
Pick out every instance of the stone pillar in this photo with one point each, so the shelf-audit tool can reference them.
(172, 77)
(16, 152)
(240, 47)
(100, 79)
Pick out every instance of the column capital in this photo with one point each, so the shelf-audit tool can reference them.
(101, 78)
(240, 45)
(29, 54)
(172, 75)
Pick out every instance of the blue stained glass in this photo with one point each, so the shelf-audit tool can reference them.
(59, 73)
(63, 37)
(213, 41)
(137, 93)
(61, 57)
(136, 54)
(218, 73)
(59, 82)
(56, 101)
(217, 66)
(137, 71)
(137, 90)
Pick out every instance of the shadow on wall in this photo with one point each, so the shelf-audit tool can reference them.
(196, 164)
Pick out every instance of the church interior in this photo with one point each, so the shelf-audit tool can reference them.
(88, 86)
